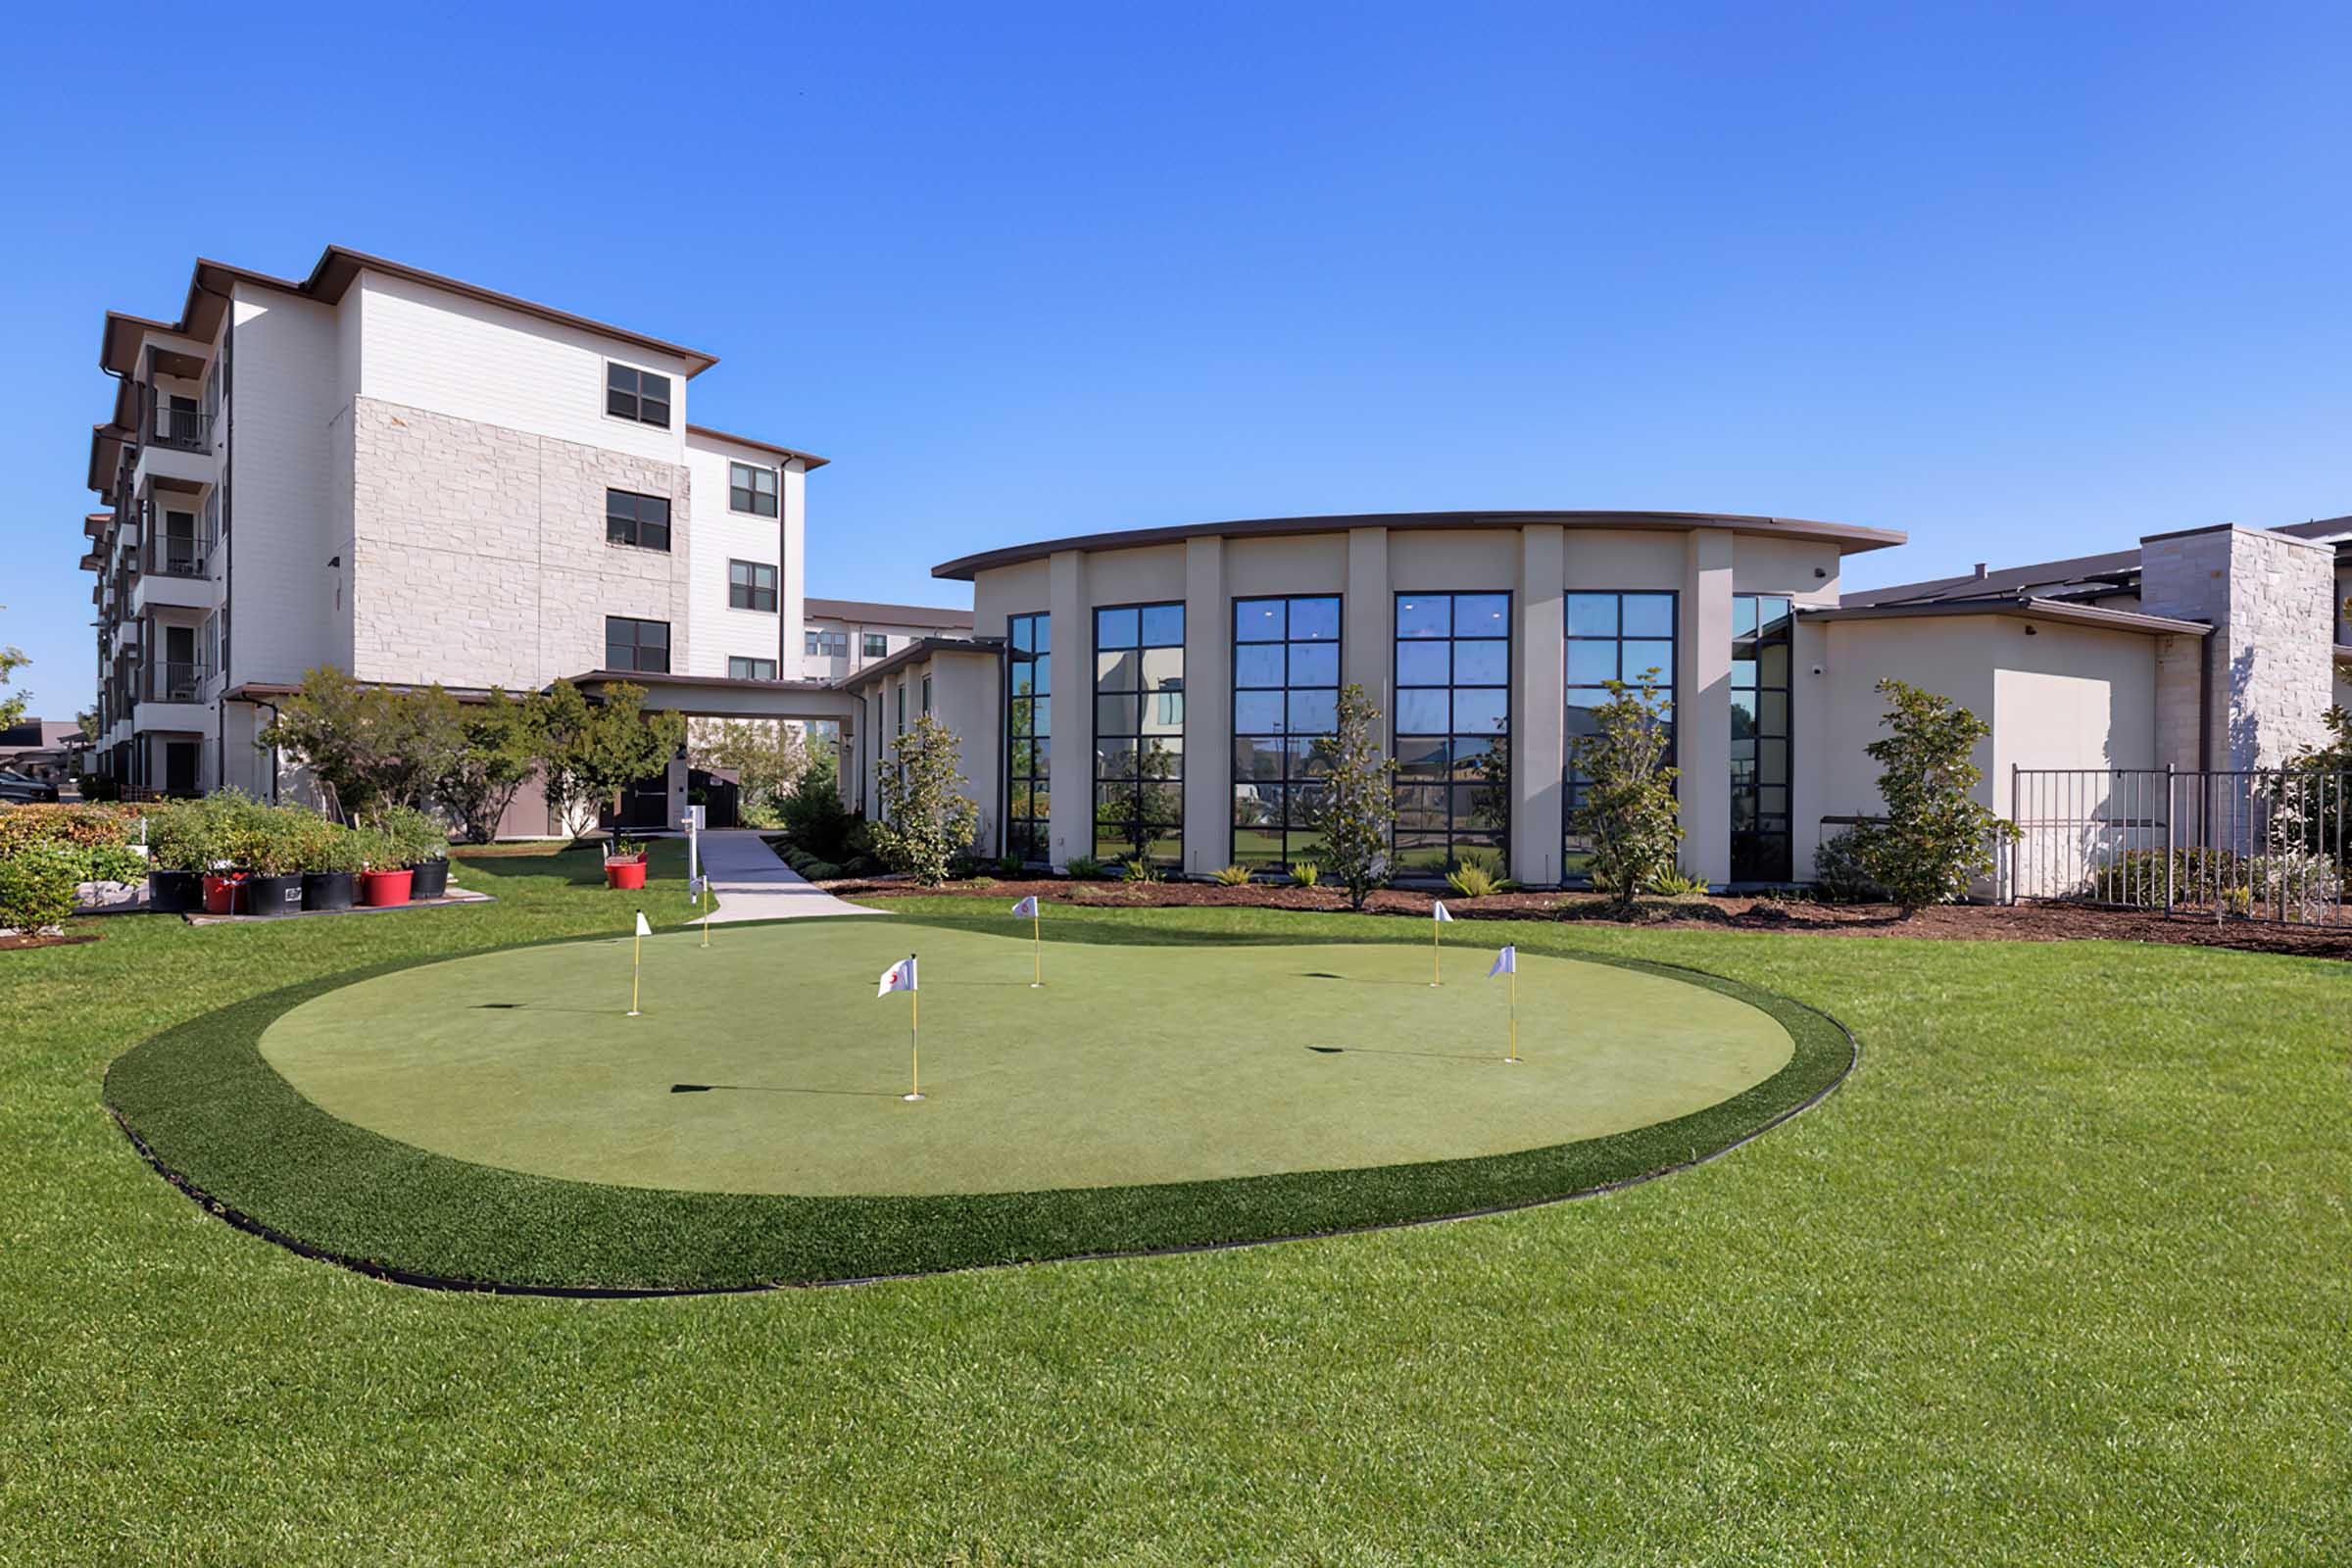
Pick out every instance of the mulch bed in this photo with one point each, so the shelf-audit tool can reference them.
(1963, 922)
(15, 940)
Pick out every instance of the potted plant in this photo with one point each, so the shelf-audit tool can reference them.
(624, 862)
(386, 877)
(176, 858)
(333, 857)
(425, 841)
(272, 847)
(223, 839)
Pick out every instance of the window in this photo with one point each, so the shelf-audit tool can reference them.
(902, 691)
(1611, 636)
(1760, 653)
(1139, 733)
(926, 694)
(638, 395)
(752, 488)
(634, 519)
(874, 645)
(1028, 736)
(642, 645)
(820, 644)
(1452, 729)
(750, 668)
(1286, 690)
(750, 586)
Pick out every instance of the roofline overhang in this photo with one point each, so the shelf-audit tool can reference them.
(808, 460)
(2025, 608)
(921, 648)
(1849, 538)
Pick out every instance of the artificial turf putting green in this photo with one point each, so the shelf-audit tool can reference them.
(765, 1063)
(210, 1110)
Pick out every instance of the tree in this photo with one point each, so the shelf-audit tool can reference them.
(372, 746)
(927, 819)
(1937, 839)
(505, 741)
(594, 749)
(765, 755)
(1627, 808)
(1358, 804)
(13, 704)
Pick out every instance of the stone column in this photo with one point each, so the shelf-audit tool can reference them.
(1207, 713)
(1072, 825)
(2270, 600)
(1538, 698)
(1702, 681)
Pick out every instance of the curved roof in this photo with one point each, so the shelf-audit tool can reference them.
(1849, 538)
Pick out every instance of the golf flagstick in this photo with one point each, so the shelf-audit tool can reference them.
(1506, 963)
(1037, 940)
(636, 958)
(900, 976)
(1438, 916)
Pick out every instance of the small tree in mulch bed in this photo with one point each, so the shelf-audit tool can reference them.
(1627, 808)
(927, 820)
(1359, 803)
(1937, 838)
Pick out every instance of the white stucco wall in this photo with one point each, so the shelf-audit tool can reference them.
(286, 381)
(725, 535)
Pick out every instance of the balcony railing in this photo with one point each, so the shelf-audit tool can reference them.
(172, 680)
(183, 429)
(178, 556)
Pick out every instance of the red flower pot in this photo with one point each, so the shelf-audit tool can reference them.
(382, 889)
(624, 873)
(221, 892)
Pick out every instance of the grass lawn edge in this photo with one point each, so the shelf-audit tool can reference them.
(199, 1103)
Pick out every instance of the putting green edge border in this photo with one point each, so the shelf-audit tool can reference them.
(201, 1107)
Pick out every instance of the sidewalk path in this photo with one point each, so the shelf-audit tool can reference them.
(752, 884)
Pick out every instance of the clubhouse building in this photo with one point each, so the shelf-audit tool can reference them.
(418, 479)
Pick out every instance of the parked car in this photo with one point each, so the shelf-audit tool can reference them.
(18, 788)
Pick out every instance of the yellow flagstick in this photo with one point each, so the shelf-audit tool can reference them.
(1037, 950)
(701, 902)
(914, 1035)
(636, 954)
(1514, 978)
(1435, 949)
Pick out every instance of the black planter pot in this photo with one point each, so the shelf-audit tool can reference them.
(175, 892)
(327, 890)
(429, 879)
(274, 895)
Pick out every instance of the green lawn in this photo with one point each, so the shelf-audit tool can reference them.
(2059, 1275)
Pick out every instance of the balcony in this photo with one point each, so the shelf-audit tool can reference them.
(172, 680)
(177, 424)
(170, 697)
(174, 573)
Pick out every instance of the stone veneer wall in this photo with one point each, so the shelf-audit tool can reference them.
(2271, 598)
(480, 554)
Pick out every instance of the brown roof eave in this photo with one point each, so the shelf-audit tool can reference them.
(809, 460)
(2029, 609)
(921, 648)
(1850, 538)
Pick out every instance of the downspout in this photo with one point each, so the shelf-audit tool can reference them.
(277, 765)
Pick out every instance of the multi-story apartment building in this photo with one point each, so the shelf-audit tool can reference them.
(842, 636)
(415, 479)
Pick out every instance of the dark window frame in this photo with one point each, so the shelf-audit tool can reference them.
(638, 647)
(627, 522)
(772, 495)
(1763, 851)
(1570, 781)
(1143, 828)
(1454, 836)
(1028, 829)
(873, 645)
(824, 648)
(630, 394)
(747, 593)
(1288, 835)
(751, 669)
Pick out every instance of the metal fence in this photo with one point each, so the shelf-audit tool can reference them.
(2257, 844)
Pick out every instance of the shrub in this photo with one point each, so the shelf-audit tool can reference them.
(1476, 876)
(1305, 873)
(84, 825)
(1675, 885)
(113, 863)
(1009, 865)
(1139, 869)
(419, 835)
(927, 820)
(1841, 868)
(1628, 808)
(1084, 867)
(37, 883)
(1230, 876)
(1357, 805)
(819, 870)
(1937, 839)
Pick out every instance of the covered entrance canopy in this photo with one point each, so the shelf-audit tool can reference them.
(803, 702)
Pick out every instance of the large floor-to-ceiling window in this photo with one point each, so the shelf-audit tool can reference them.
(1286, 688)
(1611, 636)
(1139, 733)
(1452, 729)
(1028, 736)
(1761, 655)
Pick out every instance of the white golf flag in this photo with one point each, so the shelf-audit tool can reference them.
(1439, 913)
(642, 929)
(900, 976)
(1026, 909)
(1505, 963)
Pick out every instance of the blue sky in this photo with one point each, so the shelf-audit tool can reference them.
(2022, 281)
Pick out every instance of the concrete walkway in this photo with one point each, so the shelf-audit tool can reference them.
(752, 884)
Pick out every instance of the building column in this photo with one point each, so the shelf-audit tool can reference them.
(1367, 631)
(1539, 705)
(1208, 708)
(792, 567)
(1702, 680)
(1071, 826)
